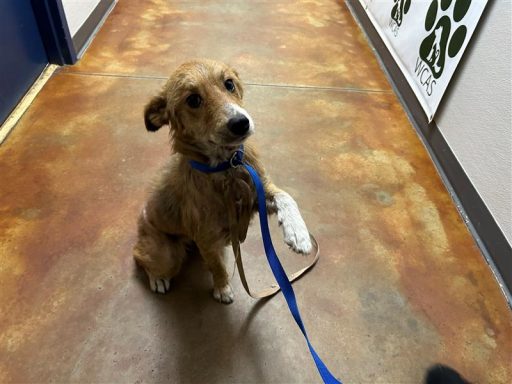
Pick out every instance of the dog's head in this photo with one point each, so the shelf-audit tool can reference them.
(202, 104)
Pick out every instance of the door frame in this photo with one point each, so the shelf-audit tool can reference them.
(61, 47)
(54, 31)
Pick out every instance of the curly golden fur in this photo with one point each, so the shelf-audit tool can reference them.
(187, 209)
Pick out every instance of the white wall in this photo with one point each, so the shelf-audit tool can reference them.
(476, 117)
(77, 11)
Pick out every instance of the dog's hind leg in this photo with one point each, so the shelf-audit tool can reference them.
(160, 255)
(214, 259)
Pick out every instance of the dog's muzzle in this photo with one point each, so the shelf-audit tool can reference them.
(239, 122)
(239, 125)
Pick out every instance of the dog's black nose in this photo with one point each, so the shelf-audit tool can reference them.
(239, 125)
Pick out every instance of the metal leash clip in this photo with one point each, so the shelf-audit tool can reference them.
(236, 159)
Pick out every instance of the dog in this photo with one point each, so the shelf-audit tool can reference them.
(202, 103)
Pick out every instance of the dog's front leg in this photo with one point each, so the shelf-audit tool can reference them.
(214, 259)
(295, 232)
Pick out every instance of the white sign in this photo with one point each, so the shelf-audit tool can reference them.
(427, 39)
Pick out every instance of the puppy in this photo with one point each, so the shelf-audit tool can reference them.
(187, 209)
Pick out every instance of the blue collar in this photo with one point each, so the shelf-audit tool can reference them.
(235, 161)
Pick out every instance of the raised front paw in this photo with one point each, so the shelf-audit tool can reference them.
(296, 235)
(224, 294)
(295, 232)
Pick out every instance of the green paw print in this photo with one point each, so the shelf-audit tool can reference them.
(441, 40)
(400, 8)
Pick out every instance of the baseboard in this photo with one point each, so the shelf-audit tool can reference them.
(10, 122)
(88, 28)
(486, 232)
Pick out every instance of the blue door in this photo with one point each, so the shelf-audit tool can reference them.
(22, 53)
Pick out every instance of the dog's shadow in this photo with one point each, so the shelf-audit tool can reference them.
(200, 340)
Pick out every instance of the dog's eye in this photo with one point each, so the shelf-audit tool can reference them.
(230, 86)
(194, 101)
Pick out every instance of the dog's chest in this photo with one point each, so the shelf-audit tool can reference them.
(236, 197)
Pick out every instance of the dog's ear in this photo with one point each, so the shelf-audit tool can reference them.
(155, 113)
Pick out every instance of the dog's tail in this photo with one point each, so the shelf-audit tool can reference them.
(441, 374)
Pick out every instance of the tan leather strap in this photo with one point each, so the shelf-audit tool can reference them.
(273, 289)
(239, 215)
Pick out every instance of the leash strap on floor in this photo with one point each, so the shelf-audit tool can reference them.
(280, 275)
(274, 288)
(238, 222)
(273, 260)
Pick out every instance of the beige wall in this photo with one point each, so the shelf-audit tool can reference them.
(476, 117)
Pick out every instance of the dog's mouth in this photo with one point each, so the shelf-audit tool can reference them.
(236, 141)
(229, 142)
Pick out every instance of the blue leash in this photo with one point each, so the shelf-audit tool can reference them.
(273, 260)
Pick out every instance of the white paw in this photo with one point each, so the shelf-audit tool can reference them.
(159, 285)
(224, 295)
(295, 232)
(296, 235)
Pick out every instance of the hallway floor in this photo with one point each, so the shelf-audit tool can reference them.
(400, 284)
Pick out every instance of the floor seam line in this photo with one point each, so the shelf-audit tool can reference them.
(320, 88)
(269, 85)
(119, 75)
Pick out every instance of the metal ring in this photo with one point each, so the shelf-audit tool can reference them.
(235, 158)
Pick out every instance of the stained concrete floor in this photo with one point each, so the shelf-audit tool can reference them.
(400, 284)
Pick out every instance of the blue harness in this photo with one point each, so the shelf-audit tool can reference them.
(275, 265)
